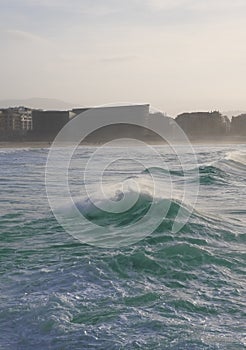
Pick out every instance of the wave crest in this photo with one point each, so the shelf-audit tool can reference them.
(236, 157)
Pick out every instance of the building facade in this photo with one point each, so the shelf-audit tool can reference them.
(15, 122)
(200, 125)
(47, 124)
(238, 125)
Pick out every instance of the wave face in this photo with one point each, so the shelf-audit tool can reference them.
(169, 290)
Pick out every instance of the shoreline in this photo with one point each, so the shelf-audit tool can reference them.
(25, 144)
(47, 144)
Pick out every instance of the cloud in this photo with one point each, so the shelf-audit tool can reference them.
(56, 17)
(116, 59)
(21, 35)
(165, 51)
(195, 11)
(195, 4)
(165, 5)
(86, 7)
(44, 3)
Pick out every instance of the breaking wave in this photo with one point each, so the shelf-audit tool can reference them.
(236, 158)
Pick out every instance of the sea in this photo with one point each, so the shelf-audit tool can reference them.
(156, 261)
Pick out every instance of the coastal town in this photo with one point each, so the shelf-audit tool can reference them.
(23, 124)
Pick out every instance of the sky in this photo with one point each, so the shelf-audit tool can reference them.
(177, 55)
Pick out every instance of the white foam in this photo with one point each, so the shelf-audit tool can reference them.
(237, 156)
(119, 197)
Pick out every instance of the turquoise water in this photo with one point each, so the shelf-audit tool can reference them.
(169, 290)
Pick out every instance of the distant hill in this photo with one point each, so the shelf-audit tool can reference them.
(42, 103)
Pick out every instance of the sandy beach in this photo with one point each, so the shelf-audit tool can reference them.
(25, 144)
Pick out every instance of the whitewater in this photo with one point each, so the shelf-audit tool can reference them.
(125, 279)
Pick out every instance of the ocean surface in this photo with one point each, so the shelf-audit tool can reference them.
(158, 288)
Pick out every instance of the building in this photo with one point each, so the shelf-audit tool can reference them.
(77, 111)
(164, 124)
(200, 125)
(3, 121)
(15, 123)
(238, 125)
(9, 120)
(18, 119)
(25, 118)
(47, 124)
(116, 122)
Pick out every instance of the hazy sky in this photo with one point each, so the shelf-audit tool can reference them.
(178, 55)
